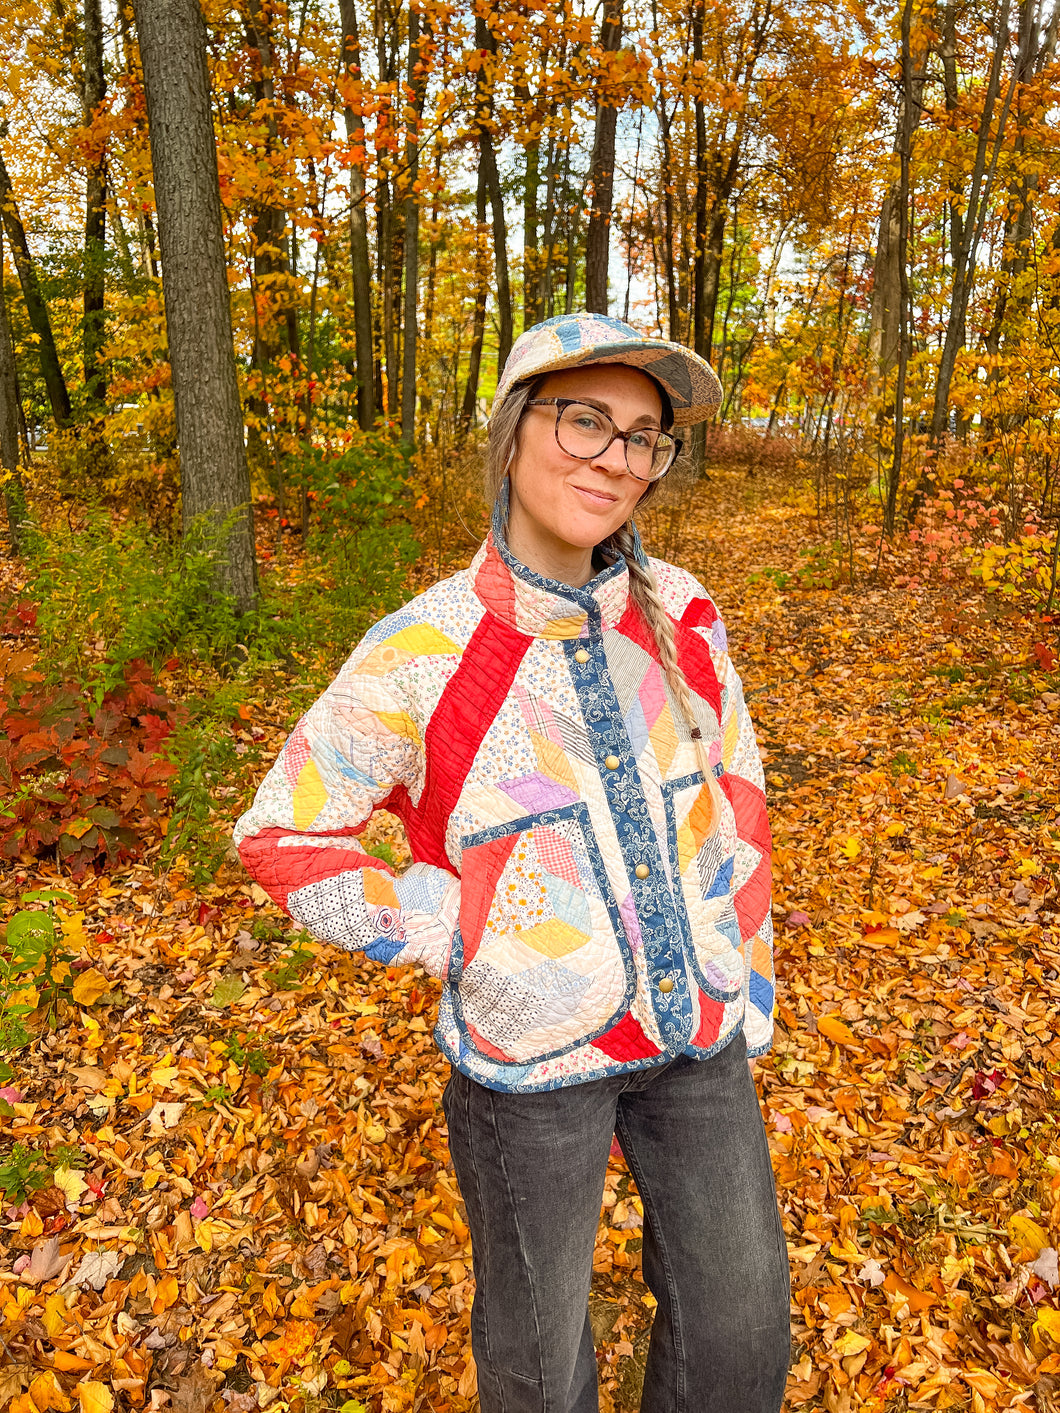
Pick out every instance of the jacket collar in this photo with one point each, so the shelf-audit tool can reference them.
(540, 607)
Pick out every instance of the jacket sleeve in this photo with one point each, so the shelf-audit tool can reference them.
(352, 749)
(743, 781)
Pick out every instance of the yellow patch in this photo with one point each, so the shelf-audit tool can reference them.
(728, 742)
(421, 639)
(554, 938)
(762, 957)
(378, 889)
(663, 739)
(401, 724)
(564, 627)
(701, 816)
(686, 848)
(310, 796)
(553, 761)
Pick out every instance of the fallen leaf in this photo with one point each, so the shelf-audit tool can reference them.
(165, 1116)
(90, 986)
(833, 1028)
(47, 1393)
(228, 991)
(97, 1268)
(70, 1182)
(1046, 1266)
(95, 1397)
(1031, 1237)
(45, 1263)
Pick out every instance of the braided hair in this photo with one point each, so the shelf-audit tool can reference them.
(643, 586)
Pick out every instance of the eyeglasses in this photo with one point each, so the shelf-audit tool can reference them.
(585, 432)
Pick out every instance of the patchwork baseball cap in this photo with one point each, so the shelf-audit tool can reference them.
(573, 340)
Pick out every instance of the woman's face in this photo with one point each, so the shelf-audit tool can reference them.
(561, 507)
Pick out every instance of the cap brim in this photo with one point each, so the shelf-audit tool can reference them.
(689, 381)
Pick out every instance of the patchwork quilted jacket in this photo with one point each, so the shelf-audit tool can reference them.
(565, 887)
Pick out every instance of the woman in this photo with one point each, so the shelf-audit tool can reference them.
(562, 733)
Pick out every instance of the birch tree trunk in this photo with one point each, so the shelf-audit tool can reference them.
(214, 479)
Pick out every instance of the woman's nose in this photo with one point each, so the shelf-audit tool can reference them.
(612, 458)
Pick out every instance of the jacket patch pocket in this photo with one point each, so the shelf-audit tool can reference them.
(705, 865)
(544, 965)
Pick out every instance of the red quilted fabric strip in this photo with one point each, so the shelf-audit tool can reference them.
(487, 1047)
(282, 870)
(700, 613)
(692, 653)
(466, 709)
(752, 900)
(710, 1014)
(481, 867)
(626, 1041)
(749, 807)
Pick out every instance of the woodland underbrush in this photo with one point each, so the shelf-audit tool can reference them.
(125, 668)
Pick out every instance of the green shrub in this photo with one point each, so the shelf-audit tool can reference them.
(35, 972)
(359, 541)
(111, 593)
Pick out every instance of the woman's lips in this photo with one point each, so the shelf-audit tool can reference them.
(600, 498)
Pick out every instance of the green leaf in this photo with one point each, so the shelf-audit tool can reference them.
(227, 991)
(48, 895)
(29, 936)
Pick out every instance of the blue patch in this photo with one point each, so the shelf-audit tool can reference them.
(384, 949)
(761, 994)
(722, 881)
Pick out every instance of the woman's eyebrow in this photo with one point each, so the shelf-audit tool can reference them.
(645, 417)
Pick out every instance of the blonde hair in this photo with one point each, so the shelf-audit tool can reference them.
(643, 586)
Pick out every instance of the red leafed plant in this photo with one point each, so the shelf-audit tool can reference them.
(85, 779)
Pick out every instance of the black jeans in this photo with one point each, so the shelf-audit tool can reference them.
(531, 1171)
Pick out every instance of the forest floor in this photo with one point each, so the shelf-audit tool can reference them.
(266, 1217)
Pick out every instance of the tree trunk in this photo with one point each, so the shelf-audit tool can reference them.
(417, 86)
(974, 218)
(905, 141)
(36, 308)
(485, 39)
(666, 181)
(14, 494)
(700, 341)
(887, 275)
(478, 326)
(885, 309)
(359, 259)
(1012, 302)
(389, 224)
(532, 282)
(275, 316)
(602, 172)
(215, 481)
(94, 329)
